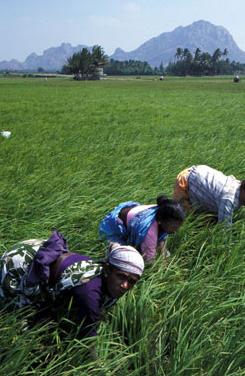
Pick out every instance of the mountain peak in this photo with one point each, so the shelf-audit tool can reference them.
(65, 44)
(200, 34)
(52, 58)
(202, 23)
(118, 49)
(162, 48)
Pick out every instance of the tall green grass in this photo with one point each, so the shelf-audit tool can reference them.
(80, 148)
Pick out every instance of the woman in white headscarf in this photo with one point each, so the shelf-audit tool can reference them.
(46, 275)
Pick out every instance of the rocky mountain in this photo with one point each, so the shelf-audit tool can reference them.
(11, 65)
(200, 34)
(52, 59)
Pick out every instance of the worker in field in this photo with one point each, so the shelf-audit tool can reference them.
(144, 227)
(47, 276)
(204, 188)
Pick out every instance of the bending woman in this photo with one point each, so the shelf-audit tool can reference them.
(144, 227)
(46, 275)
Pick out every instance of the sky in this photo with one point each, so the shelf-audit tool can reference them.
(28, 26)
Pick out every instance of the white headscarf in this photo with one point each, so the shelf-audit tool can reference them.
(126, 258)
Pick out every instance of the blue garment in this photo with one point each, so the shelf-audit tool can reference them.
(112, 227)
(139, 226)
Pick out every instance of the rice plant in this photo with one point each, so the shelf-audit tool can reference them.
(78, 149)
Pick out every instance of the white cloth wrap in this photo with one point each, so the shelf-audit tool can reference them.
(126, 258)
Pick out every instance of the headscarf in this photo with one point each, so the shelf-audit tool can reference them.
(126, 258)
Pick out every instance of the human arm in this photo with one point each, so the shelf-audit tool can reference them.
(87, 300)
(150, 243)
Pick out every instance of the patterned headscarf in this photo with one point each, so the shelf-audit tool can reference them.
(126, 258)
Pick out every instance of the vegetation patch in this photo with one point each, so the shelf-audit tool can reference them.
(76, 150)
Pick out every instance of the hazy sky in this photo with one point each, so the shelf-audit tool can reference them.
(32, 26)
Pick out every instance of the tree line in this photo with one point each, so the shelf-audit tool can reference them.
(87, 64)
(132, 67)
(203, 63)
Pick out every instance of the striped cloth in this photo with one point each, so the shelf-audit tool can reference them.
(212, 191)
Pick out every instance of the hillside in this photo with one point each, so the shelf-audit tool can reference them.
(200, 34)
(52, 59)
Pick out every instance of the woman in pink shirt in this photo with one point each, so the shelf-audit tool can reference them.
(145, 227)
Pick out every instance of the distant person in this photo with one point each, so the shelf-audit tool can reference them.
(46, 275)
(209, 190)
(145, 227)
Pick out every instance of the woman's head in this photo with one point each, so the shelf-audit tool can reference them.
(170, 214)
(124, 268)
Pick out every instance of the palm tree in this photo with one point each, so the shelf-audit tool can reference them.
(215, 60)
(99, 58)
(216, 55)
(225, 52)
(205, 63)
(98, 61)
(197, 55)
(186, 52)
(179, 53)
(73, 64)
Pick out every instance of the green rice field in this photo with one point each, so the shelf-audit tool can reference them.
(77, 150)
